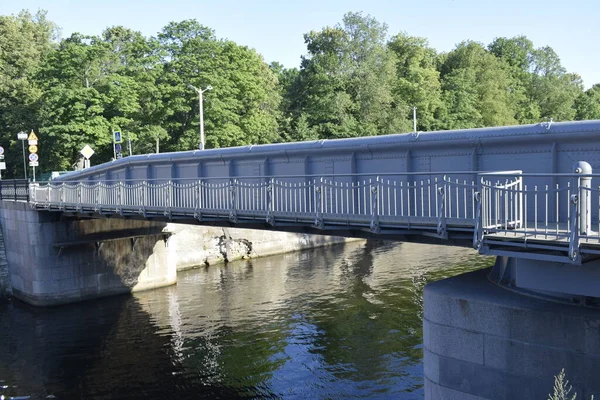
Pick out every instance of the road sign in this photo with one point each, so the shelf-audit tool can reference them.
(2, 165)
(87, 152)
(33, 157)
(118, 148)
(33, 148)
(33, 163)
(22, 136)
(119, 155)
(117, 137)
(32, 136)
(1, 150)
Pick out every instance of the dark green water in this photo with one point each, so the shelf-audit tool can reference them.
(335, 323)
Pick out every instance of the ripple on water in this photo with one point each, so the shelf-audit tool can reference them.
(340, 322)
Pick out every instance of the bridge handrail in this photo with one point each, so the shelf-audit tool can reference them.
(553, 208)
(292, 176)
(376, 200)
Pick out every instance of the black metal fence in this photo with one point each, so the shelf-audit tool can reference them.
(14, 189)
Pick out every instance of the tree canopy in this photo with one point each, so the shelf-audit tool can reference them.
(354, 80)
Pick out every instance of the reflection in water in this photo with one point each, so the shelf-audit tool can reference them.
(339, 322)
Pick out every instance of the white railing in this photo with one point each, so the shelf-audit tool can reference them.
(534, 211)
(539, 211)
(430, 200)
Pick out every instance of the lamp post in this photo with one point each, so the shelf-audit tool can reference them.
(22, 136)
(200, 92)
(414, 118)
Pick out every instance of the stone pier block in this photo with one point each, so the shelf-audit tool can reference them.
(53, 259)
(485, 342)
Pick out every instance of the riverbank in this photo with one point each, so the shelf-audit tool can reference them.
(196, 246)
(204, 245)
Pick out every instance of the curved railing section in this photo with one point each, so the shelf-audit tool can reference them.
(428, 202)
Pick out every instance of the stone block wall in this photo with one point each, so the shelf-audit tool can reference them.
(206, 245)
(54, 260)
(482, 341)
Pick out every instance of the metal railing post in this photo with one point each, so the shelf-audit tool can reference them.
(478, 231)
(441, 225)
(375, 207)
(270, 205)
(232, 200)
(574, 254)
(319, 199)
(585, 197)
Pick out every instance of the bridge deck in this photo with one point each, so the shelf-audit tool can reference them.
(503, 218)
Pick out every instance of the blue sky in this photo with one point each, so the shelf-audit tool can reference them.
(275, 28)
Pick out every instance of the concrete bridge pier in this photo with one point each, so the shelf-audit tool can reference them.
(55, 259)
(485, 341)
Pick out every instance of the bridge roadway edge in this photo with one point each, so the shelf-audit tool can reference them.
(485, 342)
(43, 273)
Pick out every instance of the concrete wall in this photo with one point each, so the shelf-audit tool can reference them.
(205, 245)
(5, 288)
(93, 261)
(485, 342)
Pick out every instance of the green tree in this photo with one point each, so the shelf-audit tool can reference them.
(243, 106)
(418, 80)
(25, 41)
(552, 88)
(476, 88)
(587, 105)
(518, 53)
(347, 79)
(72, 111)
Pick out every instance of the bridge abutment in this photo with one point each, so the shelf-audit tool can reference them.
(482, 341)
(53, 259)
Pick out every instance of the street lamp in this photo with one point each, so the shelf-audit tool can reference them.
(200, 92)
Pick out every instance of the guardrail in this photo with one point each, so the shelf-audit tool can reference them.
(14, 189)
(539, 212)
(410, 201)
(509, 209)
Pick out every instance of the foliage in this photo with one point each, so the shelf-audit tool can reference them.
(355, 80)
(562, 388)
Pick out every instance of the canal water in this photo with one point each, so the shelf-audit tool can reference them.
(342, 322)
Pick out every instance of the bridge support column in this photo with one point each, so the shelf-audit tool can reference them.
(482, 341)
(55, 260)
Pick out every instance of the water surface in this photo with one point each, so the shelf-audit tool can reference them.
(334, 323)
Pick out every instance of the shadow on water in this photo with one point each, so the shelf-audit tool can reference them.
(338, 322)
(108, 348)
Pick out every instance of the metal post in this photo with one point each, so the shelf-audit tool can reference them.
(414, 119)
(585, 196)
(24, 160)
(201, 146)
(129, 143)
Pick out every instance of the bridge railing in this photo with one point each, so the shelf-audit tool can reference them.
(14, 189)
(395, 200)
(540, 211)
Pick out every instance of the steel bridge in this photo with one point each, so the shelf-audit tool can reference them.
(448, 187)
(498, 214)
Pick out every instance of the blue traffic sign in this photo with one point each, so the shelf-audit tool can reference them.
(33, 157)
(118, 148)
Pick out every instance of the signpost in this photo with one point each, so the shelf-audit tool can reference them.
(32, 140)
(87, 152)
(2, 163)
(117, 140)
(22, 136)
